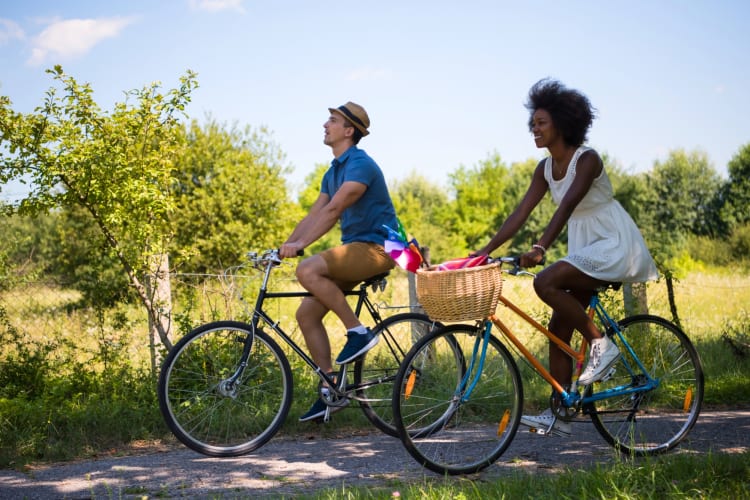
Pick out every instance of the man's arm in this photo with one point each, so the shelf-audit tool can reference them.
(322, 217)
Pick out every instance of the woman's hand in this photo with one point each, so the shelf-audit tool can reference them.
(532, 258)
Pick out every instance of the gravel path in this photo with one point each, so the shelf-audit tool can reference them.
(303, 465)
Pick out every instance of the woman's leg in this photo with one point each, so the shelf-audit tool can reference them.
(568, 291)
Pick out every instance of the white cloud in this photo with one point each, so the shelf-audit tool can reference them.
(218, 5)
(369, 74)
(73, 37)
(9, 30)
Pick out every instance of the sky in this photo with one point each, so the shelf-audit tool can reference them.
(444, 82)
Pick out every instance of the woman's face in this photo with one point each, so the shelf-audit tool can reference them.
(543, 129)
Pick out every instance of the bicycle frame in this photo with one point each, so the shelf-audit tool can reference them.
(568, 398)
(363, 300)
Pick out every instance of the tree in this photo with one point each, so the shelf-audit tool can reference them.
(735, 209)
(680, 200)
(687, 185)
(231, 197)
(478, 200)
(116, 166)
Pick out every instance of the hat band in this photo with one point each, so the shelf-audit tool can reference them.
(352, 117)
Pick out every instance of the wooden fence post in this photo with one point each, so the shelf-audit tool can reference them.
(160, 292)
(414, 305)
(635, 297)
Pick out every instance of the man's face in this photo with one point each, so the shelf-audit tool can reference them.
(336, 130)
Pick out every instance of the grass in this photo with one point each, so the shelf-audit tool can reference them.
(667, 477)
(71, 378)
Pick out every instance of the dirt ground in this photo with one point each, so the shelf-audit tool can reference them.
(287, 467)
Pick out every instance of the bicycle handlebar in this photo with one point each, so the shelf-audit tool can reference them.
(516, 270)
(270, 256)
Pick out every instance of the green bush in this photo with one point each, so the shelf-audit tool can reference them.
(740, 243)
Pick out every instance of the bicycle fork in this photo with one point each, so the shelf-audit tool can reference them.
(474, 370)
(229, 386)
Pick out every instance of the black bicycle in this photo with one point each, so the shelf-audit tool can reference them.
(226, 387)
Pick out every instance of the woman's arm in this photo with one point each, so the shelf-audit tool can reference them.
(534, 194)
(588, 168)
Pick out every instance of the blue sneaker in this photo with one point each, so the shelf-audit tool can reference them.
(318, 410)
(356, 345)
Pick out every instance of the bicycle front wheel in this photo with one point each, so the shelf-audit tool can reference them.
(377, 369)
(215, 405)
(457, 412)
(656, 420)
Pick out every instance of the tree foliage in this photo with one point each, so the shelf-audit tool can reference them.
(478, 199)
(735, 196)
(680, 199)
(230, 195)
(116, 166)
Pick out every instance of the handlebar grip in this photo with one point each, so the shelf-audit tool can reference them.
(300, 252)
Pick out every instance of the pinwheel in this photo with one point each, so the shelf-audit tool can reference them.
(403, 250)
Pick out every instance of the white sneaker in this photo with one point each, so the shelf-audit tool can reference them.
(546, 423)
(602, 356)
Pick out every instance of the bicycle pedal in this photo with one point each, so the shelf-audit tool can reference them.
(540, 431)
(610, 373)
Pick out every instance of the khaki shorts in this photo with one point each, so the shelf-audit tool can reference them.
(352, 263)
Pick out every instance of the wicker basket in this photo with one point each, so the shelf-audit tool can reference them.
(461, 294)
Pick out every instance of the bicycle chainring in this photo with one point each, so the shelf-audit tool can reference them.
(564, 413)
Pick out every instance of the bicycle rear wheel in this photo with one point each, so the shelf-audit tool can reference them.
(446, 423)
(208, 411)
(377, 369)
(654, 421)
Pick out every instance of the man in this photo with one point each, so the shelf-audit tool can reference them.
(353, 191)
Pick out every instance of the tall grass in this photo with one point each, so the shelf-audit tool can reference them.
(74, 382)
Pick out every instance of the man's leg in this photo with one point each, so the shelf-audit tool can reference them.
(314, 276)
(310, 318)
(326, 274)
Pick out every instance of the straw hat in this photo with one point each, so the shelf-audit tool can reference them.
(356, 114)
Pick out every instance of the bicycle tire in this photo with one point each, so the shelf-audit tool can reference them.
(441, 430)
(377, 369)
(208, 414)
(652, 422)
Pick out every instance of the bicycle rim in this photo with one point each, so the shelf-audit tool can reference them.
(654, 421)
(377, 370)
(444, 428)
(207, 413)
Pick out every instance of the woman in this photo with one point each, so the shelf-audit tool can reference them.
(604, 244)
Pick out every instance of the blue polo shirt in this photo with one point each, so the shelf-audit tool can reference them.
(363, 221)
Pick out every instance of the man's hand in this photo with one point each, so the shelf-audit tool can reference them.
(291, 249)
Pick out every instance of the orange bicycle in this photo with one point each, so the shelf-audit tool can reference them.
(458, 395)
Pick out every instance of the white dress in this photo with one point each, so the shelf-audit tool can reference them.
(603, 240)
